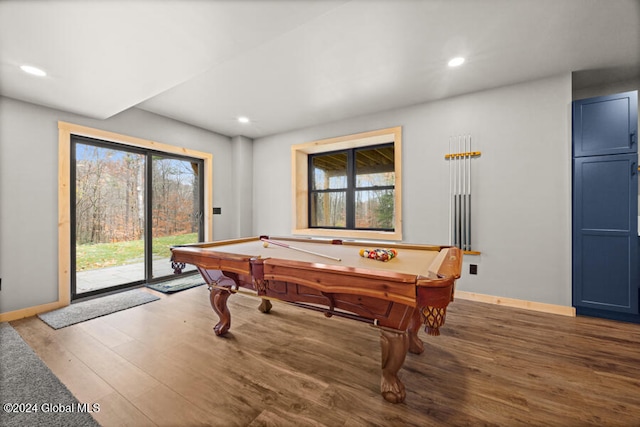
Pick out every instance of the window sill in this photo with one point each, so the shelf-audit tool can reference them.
(349, 234)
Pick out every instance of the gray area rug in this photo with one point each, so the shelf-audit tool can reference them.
(177, 285)
(87, 310)
(29, 392)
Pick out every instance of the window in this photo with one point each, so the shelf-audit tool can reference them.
(349, 186)
(352, 189)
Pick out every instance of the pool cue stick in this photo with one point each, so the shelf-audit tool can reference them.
(459, 210)
(450, 195)
(459, 196)
(455, 196)
(454, 159)
(464, 194)
(465, 246)
(463, 224)
(469, 201)
(469, 196)
(284, 245)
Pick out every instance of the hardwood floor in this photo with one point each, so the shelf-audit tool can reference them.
(161, 364)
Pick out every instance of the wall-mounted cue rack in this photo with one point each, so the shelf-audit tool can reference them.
(460, 192)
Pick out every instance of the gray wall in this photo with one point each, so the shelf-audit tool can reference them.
(29, 193)
(608, 88)
(243, 182)
(521, 183)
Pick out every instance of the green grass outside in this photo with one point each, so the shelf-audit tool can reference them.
(100, 255)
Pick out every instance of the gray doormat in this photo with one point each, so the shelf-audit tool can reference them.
(87, 310)
(31, 395)
(177, 285)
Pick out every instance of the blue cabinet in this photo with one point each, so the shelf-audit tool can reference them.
(606, 125)
(605, 241)
(605, 206)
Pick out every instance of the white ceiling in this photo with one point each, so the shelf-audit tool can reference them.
(291, 64)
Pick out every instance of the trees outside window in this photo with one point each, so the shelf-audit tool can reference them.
(353, 189)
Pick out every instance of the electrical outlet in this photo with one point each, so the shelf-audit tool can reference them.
(473, 268)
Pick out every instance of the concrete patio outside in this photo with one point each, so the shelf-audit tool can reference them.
(101, 278)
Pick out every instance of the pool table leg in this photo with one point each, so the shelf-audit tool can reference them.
(265, 306)
(218, 298)
(416, 346)
(394, 346)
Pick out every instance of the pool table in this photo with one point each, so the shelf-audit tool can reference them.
(331, 276)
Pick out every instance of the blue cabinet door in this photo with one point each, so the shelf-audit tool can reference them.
(605, 240)
(606, 125)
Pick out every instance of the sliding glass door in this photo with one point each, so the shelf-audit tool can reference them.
(176, 212)
(129, 207)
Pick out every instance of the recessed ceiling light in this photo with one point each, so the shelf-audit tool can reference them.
(34, 71)
(457, 61)
(243, 119)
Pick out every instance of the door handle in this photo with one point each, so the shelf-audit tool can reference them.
(632, 139)
(634, 168)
